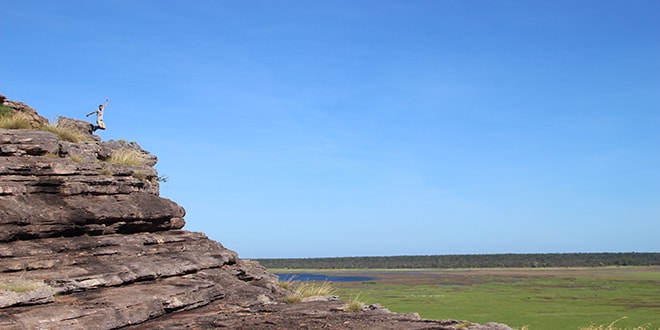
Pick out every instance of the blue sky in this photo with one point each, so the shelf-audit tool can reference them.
(369, 128)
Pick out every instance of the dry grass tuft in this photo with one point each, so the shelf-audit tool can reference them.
(611, 326)
(310, 289)
(21, 285)
(292, 299)
(20, 120)
(66, 134)
(139, 175)
(354, 306)
(17, 120)
(286, 285)
(51, 155)
(301, 290)
(126, 156)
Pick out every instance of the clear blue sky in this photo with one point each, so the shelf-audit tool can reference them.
(368, 128)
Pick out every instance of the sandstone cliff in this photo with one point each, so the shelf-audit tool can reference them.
(87, 243)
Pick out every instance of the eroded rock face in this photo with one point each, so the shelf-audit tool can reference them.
(86, 243)
(111, 281)
(54, 188)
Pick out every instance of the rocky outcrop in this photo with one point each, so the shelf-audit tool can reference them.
(86, 242)
(54, 188)
(14, 106)
(111, 281)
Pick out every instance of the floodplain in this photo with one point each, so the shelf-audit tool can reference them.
(523, 298)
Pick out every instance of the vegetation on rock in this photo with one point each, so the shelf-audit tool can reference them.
(16, 120)
(354, 305)
(4, 110)
(20, 120)
(301, 290)
(126, 156)
(20, 285)
(65, 133)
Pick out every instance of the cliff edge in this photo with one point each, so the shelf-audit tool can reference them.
(86, 242)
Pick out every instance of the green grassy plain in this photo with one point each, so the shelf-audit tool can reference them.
(540, 298)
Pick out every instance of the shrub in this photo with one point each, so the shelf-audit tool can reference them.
(76, 158)
(126, 156)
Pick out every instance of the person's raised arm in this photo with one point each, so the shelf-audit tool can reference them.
(105, 104)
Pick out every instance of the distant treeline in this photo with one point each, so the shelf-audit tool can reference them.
(471, 261)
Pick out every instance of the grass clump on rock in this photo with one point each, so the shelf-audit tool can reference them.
(20, 286)
(4, 110)
(126, 156)
(139, 175)
(65, 133)
(354, 305)
(17, 120)
(301, 290)
(21, 120)
(105, 171)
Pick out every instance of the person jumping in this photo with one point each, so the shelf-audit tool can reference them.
(99, 116)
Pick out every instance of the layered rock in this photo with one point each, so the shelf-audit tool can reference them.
(86, 242)
(53, 188)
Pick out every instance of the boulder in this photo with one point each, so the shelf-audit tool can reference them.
(84, 127)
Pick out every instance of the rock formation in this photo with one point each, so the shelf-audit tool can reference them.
(87, 243)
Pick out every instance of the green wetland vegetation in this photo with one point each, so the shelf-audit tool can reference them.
(524, 298)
